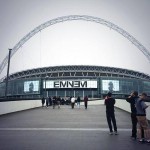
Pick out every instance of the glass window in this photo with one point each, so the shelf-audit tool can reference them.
(146, 87)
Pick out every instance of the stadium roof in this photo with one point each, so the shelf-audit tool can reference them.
(77, 71)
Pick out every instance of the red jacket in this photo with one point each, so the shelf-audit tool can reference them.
(85, 99)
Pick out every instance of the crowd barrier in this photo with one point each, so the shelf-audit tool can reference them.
(14, 106)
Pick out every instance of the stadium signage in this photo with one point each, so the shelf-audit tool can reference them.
(71, 84)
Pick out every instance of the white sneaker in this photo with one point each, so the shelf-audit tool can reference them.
(111, 133)
(116, 133)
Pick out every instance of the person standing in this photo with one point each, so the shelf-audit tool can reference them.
(142, 120)
(131, 99)
(110, 113)
(54, 101)
(47, 102)
(72, 102)
(43, 101)
(50, 101)
(78, 101)
(85, 102)
(58, 101)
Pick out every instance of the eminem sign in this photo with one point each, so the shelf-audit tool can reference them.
(71, 84)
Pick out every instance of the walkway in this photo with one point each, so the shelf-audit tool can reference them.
(65, 129)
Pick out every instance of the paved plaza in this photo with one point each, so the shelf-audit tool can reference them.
(65, 129)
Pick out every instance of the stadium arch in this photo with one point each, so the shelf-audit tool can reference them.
(71, 18)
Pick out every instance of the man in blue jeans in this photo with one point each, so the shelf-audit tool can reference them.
(110, 113)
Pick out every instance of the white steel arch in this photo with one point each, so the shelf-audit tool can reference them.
(71, 18)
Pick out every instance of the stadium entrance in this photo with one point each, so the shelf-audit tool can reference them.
(67, 88)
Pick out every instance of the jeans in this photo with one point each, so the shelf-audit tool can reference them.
(111, 120)
(134, 125)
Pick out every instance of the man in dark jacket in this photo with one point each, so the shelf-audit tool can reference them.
(110, 113)
(85, 102)
(131, 99)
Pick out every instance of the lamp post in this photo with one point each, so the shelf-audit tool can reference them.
(7, 73)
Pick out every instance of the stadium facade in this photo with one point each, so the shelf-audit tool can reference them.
(66, 81)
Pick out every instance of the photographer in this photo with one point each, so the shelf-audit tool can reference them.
(110, 113)
(142, 120)
(131, 99)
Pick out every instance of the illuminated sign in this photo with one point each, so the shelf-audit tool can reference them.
(71, 84)
(110, 85)
(31, 86)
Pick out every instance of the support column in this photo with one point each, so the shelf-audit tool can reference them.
(6, 88)
(83, 94)
(56, 93)
(65, 93)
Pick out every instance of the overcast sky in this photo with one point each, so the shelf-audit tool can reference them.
(75, 42)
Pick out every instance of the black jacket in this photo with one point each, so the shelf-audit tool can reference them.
(110, 102)
(132, 100)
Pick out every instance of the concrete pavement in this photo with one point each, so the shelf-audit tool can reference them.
(65, 129)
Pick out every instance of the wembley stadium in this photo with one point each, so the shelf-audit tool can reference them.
(71, 80)
(66, 81)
